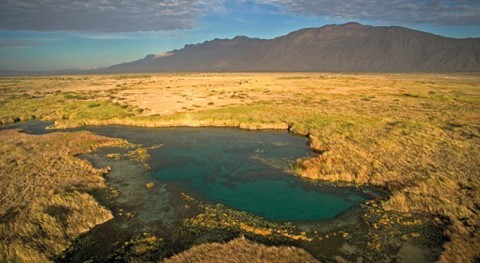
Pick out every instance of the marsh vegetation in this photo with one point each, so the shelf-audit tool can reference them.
(416, 135)
(45, 193)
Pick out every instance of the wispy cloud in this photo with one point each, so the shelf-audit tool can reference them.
(11, 43)
(433, 12)
(102, 15)
(106, 36)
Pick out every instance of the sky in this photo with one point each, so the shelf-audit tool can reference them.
(44, 35)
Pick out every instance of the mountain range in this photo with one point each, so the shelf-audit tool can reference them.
(350, 47)
(347, 47)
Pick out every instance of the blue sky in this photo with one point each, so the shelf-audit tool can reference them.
(63, 34)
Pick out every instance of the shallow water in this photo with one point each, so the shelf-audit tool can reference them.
(31, 127)
(243, 170)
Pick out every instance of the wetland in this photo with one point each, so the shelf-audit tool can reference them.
(182, 187)
(74, 192)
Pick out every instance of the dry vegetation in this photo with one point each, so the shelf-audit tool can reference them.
(44, 200)
(417, 135)
(241, 250)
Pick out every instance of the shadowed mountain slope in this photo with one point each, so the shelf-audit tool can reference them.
(347, 47)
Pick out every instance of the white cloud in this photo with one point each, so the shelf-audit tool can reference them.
(16, 43)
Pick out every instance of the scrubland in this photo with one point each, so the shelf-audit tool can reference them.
(417, 135)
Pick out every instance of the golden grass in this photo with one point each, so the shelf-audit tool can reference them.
(44, 200)
(241, 250)
(417, 135)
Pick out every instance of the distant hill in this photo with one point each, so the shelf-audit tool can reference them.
(19, 73)
(347, 47)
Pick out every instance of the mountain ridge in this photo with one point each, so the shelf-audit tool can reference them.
(347, 47)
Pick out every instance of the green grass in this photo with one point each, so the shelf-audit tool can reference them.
(59, 107)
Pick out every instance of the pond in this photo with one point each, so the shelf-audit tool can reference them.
(243, 170)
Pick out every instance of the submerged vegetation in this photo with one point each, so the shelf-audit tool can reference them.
(221, 217)
(417, 135)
